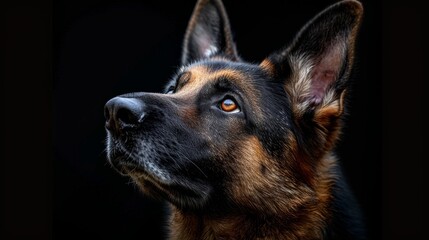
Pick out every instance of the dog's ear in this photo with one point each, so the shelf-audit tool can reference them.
(208, 33)
(316, 66)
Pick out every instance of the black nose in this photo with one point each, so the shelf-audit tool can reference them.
(122, 113)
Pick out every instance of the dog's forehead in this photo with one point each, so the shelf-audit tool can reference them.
(212, 70)
(198, 74)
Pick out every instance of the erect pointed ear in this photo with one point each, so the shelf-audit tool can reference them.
(315, 68)
(208, 33)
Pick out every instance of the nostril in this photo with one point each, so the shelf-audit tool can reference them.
(126, 116)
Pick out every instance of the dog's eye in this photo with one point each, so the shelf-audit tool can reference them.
(229, 105)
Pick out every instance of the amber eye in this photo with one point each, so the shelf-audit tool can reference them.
(229, 105)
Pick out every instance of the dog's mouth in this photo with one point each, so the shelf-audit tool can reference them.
(171, 191)
(179, 190)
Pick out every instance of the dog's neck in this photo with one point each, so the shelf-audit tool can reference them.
(309, 225)
(308, 221)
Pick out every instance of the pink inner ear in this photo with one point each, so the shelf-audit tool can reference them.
(324, 73)
(320, 81)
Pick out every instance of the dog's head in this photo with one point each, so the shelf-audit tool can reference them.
(230, 133)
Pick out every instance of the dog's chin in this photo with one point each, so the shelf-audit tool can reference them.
(158, 182)
(182, 193)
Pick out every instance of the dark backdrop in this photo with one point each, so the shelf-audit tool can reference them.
(66, 59)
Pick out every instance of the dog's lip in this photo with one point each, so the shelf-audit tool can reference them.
(136, 172)
(178, 190)
(170, 190)
(122, 167)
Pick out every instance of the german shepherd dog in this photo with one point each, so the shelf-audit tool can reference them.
(244, 150)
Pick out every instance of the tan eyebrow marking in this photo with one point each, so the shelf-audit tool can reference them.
(183, 79)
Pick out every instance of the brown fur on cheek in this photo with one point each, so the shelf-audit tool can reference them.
(189, 116)
(300, 163)
(273, 191)
(263, 185)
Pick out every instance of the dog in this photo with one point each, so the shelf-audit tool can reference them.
(243, 150)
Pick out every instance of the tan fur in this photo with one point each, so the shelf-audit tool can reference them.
(252, 186)
(267, 66)
(328, 118)
(279, 217)
(197, 78)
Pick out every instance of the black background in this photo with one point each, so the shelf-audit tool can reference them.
(64, 60)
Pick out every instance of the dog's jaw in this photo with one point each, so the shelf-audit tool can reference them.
(137, 159)
(142, 164)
